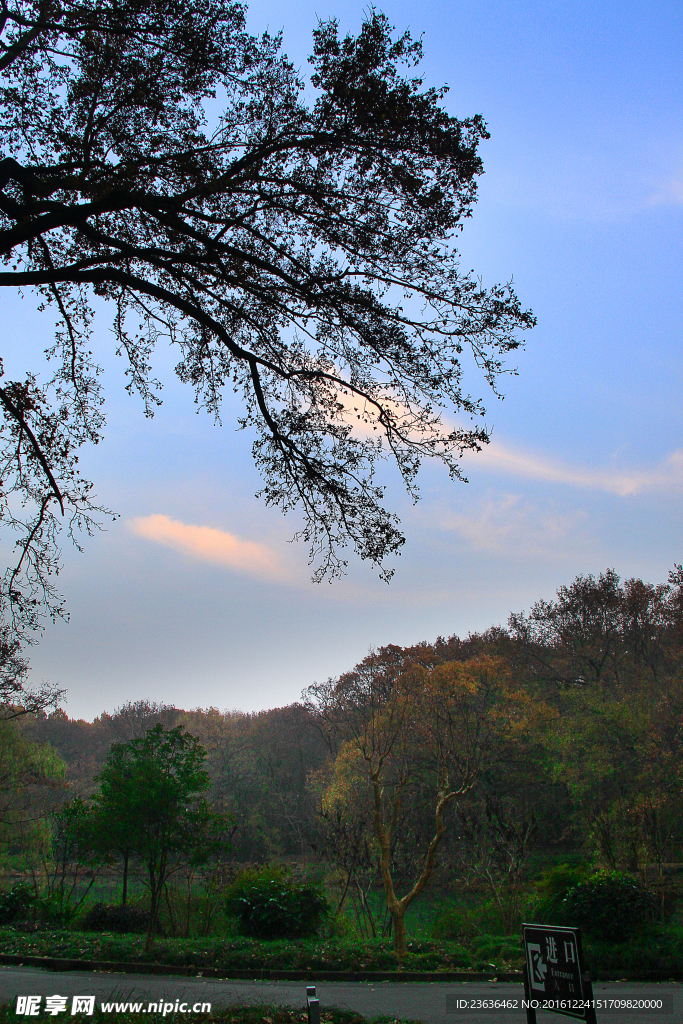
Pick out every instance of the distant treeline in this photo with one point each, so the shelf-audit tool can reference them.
(258, 764)
(597, 766)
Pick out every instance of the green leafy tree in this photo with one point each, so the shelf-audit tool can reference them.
(617, 747)
(32, 779)
(113, 824)
(299, 253)
(151, 800)
(72, 861)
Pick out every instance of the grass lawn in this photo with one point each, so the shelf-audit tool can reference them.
(227, 953)
(660, 949)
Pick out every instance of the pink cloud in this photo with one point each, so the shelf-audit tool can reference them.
(209, 544)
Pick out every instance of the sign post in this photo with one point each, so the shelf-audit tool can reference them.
(312, 1005)
(554, 976)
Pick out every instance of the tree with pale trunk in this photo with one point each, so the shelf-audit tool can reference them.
(406, 738)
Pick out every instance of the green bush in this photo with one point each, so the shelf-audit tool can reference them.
(103, 917)
(610, 905)
(55, 910)
(449, 923)
(551, 889)
(16, 904)
(269, 904)
(496, 947)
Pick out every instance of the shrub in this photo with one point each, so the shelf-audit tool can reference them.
(102, 917)
(609, 904)
(268, 904)
(496, 947)
(55, 910)
(17, 903)
(550, 891)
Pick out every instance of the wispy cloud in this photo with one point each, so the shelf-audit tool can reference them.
(512, 526)
(666, 476)
(210, 545)
(669, 193)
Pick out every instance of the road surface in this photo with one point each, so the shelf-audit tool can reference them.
(432, 1003)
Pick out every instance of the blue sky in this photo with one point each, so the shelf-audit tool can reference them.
(195, 596)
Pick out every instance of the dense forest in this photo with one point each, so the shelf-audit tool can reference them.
(460, 765)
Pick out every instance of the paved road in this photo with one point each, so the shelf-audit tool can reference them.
(408, 1000)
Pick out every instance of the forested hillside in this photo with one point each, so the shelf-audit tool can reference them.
(467, 764)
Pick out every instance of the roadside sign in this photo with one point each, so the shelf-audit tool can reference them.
(554, 976)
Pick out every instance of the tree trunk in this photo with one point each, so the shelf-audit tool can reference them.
(399, 923)
(341, 901)
(155, 891)
(153, 914)
(397, 908)
(124, 895)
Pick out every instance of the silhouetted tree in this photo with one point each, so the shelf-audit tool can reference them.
(300, 254)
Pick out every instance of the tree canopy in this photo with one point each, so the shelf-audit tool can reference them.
(151, 803)
(30, 776)
(299, 252)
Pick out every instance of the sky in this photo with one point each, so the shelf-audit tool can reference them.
(195, 597)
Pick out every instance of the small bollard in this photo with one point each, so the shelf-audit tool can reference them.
(312, 1005)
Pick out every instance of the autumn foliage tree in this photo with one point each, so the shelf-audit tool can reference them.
(603, 631)
(409, 734)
